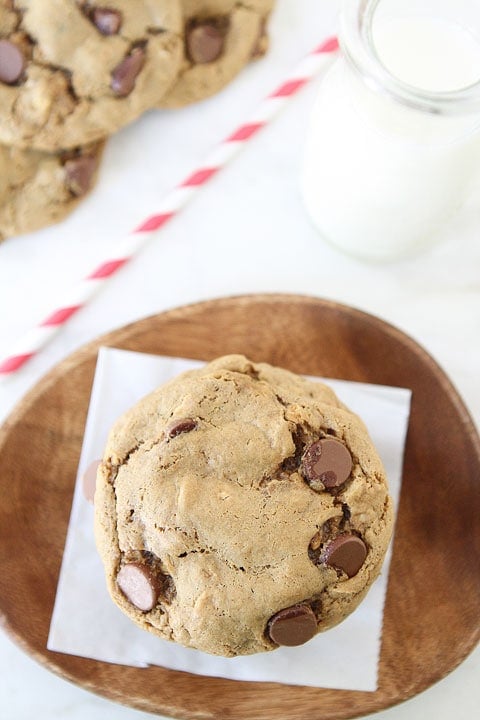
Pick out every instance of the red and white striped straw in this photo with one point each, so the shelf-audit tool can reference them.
(78, 297)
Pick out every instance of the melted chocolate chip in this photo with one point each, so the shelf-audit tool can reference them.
(293, 462)
(107, 21)
(293, 625)
(139, 585)
(79, 172)
(330, 528)
(204, 43)
(12, 62)
(346, 552)
(181, 426)
(326, 464)
(127, 71)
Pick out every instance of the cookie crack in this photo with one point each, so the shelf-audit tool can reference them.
(141, 444)
(207, 549)
(117, 534)
(281, 401)
(130, 453)
(154, 31)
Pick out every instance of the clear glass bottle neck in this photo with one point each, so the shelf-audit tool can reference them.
(357, 44)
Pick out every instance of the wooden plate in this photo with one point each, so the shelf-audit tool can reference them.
(433, 602)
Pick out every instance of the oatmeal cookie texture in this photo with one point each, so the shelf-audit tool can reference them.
(240, 507)
(72, 72)
(220, 38)
(38, 189)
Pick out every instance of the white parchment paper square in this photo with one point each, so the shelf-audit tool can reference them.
(85, 621)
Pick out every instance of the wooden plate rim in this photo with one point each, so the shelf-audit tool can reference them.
(115, 338)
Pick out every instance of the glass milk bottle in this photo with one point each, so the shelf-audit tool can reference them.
(393, 142)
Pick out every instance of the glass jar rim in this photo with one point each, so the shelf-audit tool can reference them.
(356, 42)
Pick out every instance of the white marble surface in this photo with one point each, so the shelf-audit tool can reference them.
(246, 232)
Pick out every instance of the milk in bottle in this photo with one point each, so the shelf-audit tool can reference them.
(393, 141)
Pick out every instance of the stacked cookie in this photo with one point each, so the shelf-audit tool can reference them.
(240, 507)
(72, 73)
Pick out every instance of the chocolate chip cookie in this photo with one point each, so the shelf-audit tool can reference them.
(38, 189)
(72, 72)
(240, 508)
(220, 38)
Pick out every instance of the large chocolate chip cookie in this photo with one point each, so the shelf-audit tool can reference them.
(38, 189)
(240, 507)
(72, 72)
(220, 38)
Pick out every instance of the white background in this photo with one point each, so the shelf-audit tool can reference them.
(245, 232)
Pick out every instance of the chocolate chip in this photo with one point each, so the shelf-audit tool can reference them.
(328, 462)
(204, 43)
(139, 585)
(89, 480)
(12, 62)
(79, 172)
(181, 426)
(126, 72)
(292, 626)
(346, 552)
(107, 21)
